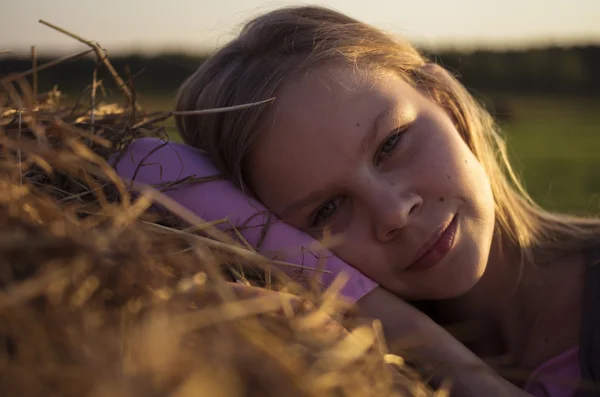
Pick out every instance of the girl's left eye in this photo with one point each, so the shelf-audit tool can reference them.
(390, 144)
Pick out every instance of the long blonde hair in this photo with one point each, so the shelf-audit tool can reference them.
(276, 45)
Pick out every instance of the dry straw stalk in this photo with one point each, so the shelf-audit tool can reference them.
(101, 295)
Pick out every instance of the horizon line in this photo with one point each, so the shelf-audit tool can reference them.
(203, 50)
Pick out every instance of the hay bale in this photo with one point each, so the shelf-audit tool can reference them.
(101, 296)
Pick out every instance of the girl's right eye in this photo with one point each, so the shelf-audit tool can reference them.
(326, 212)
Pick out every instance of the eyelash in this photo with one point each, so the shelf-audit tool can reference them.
(397, 136)
(317, 218)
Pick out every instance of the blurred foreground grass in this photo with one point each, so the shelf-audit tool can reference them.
(554, 144)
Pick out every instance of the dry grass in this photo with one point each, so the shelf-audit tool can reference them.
(100, 295)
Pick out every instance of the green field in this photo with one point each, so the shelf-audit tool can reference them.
(555, 146)
(554, 143)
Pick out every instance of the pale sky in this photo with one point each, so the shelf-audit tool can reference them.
(194, 25)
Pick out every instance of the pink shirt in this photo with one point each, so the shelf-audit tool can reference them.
(557, 377)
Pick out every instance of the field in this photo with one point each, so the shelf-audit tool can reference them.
(554, 144)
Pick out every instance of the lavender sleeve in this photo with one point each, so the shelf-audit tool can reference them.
(218, 199)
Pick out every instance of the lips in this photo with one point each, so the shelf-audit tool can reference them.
(436, 247)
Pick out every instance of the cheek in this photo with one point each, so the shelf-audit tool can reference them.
(473, 178)
(465, 180)
(450, 170)
(442, 162)
(354, 246)
(360, 250)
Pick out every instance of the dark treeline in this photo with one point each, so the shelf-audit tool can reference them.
(552, 70)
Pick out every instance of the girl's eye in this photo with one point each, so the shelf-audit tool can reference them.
(390, 144)
(326, 211)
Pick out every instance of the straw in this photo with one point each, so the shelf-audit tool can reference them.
(102, 295)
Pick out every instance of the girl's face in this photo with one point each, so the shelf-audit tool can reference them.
(371, 158)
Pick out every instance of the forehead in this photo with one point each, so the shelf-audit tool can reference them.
(334, 97)
(319, 121)
(329, 87)
(335, 101)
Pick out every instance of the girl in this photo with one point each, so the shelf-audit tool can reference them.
(369, 140)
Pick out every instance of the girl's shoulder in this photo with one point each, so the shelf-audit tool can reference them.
(590, 327)
(593, 257)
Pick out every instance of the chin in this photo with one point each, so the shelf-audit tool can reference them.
(438, 294)
(464, 283)
(449, 281)
(455, 275)
(456, 289)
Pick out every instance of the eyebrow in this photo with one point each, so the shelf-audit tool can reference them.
(365, 146)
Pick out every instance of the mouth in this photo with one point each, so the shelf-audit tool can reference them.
(437, 246)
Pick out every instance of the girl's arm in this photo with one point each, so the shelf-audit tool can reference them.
(433, 346)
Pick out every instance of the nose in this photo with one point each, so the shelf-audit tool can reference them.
(393, 211)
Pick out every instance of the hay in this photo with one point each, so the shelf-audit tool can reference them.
(99, 295)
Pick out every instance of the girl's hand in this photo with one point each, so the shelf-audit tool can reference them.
(413, 335)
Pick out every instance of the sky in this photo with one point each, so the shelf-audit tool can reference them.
(200, 25)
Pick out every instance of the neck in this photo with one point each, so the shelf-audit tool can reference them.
(511, 305)
(498, 285)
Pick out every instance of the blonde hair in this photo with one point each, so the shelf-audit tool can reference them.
(276, 45)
